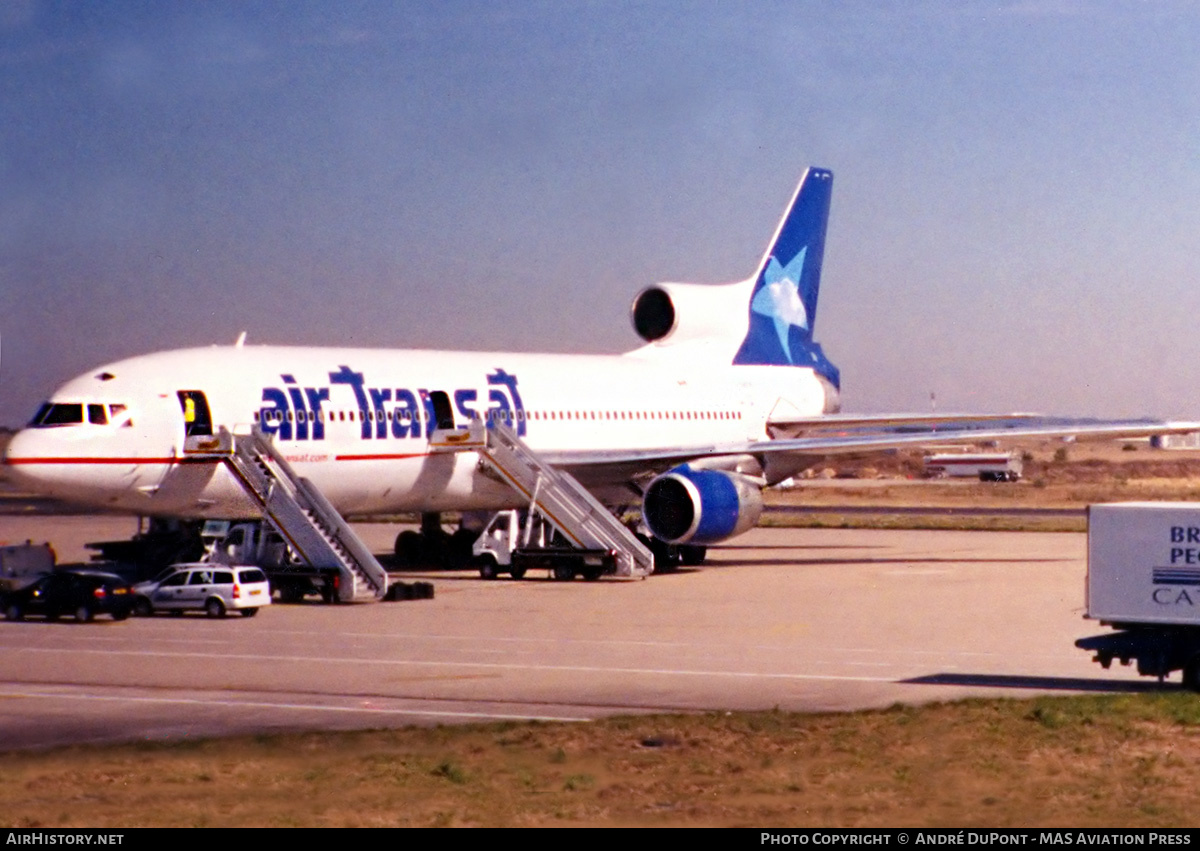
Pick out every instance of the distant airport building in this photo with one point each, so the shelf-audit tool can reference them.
(1191, 440)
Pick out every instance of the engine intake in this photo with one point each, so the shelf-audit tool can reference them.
(653, 314)
(685, 505)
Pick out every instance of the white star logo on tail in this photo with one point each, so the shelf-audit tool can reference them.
(779, 299)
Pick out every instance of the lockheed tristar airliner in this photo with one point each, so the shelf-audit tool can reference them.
(729, 394)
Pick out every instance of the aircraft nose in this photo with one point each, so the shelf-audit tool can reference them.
(16, 468)
(29, 464)
(38, 461)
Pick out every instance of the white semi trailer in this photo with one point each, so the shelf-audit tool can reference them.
(1144, 581)
(985, 466)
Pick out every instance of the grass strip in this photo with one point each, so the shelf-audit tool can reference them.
(1086, 761)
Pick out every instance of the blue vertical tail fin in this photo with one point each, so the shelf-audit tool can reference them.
(783, 301)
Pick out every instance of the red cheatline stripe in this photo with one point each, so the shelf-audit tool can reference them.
(186, 460)
(380, 457)
(97, 460)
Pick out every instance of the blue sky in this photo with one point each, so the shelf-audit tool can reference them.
(1016, 205)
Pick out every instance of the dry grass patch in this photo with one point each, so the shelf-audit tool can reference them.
(1088, 761)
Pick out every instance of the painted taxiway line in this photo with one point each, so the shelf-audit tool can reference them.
(300, 707)
(439, 639)
(502, 666)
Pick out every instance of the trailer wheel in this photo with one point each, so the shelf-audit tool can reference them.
(290, 594)
(592, 572)
(1191, 673)
(563, 572)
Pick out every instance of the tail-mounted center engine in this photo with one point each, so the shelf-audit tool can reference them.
(685, 505)
(669, 314)
(653, 314)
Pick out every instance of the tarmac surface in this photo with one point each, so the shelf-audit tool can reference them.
(800, 619)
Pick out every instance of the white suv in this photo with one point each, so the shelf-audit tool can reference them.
(215, 588)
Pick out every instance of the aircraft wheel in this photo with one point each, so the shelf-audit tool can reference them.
(409, 548)
(214, 608)
(458, 546)
(692, 555)
(666, 557)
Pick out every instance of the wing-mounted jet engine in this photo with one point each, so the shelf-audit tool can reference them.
(686, 505)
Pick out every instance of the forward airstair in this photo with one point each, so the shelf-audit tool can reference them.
(554, 494)
(300, 513)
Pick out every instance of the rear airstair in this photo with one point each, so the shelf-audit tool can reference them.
(554, 494)
(300, 513)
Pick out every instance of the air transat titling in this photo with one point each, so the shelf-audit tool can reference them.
(292, 412)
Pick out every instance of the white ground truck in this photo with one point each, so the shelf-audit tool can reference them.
(1144, 581)
(254, 542)
(515, 541)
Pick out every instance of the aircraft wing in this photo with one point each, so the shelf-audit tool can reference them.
(829, 422)
(794, 453)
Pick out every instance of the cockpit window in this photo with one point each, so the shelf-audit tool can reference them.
(69, 413)
(73, 413)
(40, 415)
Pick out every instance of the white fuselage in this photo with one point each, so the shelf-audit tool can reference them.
(357, 421)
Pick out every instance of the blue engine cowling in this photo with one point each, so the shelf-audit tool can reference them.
(685, 505)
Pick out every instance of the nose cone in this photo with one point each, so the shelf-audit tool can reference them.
(56, 462)
(20, 462)
(47, 462)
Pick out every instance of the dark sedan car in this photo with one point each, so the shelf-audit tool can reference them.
(81, 593)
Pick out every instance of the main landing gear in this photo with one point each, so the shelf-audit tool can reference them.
(433, 546)
(668, 558)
